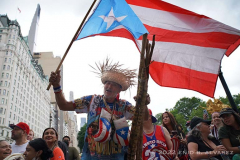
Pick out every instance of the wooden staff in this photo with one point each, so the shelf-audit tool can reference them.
(73, 39)
(135, 144)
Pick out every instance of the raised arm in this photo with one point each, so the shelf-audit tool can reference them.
(62, 103)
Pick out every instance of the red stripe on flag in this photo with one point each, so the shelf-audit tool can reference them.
(232, 48)
(100, 129)
(164, 6)
(105, 137)
(210, 39)
(178, 77)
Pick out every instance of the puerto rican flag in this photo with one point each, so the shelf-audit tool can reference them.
(189, 47)
(122, 136)
(105, 128)
(122, 133)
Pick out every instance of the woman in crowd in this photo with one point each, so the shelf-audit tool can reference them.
(229, 134)
(50, 135)
(37, 149)
(175, 130)
(200, 144)
(217, 124)
(5, 149)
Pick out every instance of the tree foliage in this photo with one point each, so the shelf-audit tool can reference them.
(187, 108)
(81, 135)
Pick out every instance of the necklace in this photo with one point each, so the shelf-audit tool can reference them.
(151, 134)
(108, 108)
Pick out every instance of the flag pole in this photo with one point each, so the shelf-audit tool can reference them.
(229, 95)
(73, 39)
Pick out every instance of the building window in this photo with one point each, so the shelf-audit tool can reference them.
(7, 75)
(1, 83)
(2, 75)
(1, 111)
(4, 92)
(5, 60)
(8, 67)
(9, 60)
(4, 66)
(3, 100)
(10, 115)
(6, 53)
(5, 84)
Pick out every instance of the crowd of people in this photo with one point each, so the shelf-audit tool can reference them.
(25, 147)
(107, 134)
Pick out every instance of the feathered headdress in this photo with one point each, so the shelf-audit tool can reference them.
(109, 71)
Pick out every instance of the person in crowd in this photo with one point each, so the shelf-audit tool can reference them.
(156, 140)
(50, 135)
(188, 126)
(175, 130)
(30, 136)
(72, 151)
(217, 124)
(229, 134)
(19, 134)
(64, 148)
(200, 144)
(105, 110)
(37, 149)
(5, 149)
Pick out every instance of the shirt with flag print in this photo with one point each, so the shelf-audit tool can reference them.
(154, 144)
(92, 105)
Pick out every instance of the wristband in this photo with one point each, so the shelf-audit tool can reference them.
(58, 92)
(57, 89)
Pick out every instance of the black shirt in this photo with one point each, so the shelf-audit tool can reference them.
(202, 147)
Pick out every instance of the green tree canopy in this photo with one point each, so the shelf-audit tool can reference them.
(81, 135)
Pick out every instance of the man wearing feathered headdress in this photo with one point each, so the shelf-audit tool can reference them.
(107, 134)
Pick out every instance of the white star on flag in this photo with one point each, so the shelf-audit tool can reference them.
(111, 18)
(153, 145)
(122, 132)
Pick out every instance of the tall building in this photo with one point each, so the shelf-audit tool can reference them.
(71, 96)
(83, 122)
(49, 63)
(32, 35)
(23, 94)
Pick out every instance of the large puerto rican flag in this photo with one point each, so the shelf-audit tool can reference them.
(189, 47)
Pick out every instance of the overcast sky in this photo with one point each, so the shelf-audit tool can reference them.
(60, 19)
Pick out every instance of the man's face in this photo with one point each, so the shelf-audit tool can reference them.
(17, 133)
(66, 140)
(30, 136)
(111, 89)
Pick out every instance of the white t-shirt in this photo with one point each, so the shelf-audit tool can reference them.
(19, 148)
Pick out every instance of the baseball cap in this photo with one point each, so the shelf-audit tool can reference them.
(226, 111)
(22, 126)
(154, 119)
(196, 120)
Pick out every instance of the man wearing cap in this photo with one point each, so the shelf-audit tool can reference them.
(107, 134)
(19, 134)
(156, 140)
